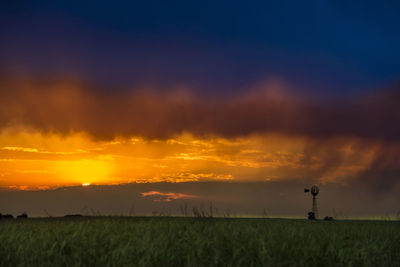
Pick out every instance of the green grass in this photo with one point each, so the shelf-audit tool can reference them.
(197, 242)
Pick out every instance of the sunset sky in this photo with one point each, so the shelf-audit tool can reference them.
(197, 102)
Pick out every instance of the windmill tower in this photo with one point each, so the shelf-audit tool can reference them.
(314, 192)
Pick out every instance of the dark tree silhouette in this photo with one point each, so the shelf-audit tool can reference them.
(23, 216)
(6, 216)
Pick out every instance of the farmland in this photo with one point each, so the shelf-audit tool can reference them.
(174, 241)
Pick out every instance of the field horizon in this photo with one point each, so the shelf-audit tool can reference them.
(388, 218)
(266, 199)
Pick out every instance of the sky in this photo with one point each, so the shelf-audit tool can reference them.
(166, 103)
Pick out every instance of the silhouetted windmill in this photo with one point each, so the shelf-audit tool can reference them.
(314, 192)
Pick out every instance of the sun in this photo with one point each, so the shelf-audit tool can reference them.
(85, 184)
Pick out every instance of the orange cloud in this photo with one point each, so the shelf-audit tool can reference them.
(24, 149)
(167, 197)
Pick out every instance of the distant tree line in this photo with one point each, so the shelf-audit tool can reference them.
(10, 216)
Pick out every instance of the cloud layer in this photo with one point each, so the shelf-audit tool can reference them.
(68, 105)
(353, 140)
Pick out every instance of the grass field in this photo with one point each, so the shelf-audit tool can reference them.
(163, 241)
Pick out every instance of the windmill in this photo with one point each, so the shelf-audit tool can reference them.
(314, 192)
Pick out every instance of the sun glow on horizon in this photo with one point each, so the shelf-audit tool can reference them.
(85, 171)
(32, 160)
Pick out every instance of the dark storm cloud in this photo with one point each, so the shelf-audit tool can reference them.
(383, 174)
(378, 162)
(65, 106)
